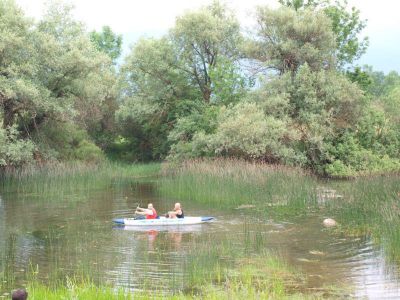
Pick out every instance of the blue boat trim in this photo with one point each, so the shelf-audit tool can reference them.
(119, 221)
(206, 219)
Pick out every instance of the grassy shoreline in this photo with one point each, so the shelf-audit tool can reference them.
(71, 169)
(367, 206)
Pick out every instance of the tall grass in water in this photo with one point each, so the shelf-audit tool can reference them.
(72, 176)
(231, 183)
(89, 291)
(224, 266)
(371, 206)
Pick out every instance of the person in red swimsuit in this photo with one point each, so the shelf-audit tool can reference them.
(149, 212)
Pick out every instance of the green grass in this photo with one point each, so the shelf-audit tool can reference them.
(231, 183)
(258, 277)
(72, 176)
(371, 206)
(91, 292)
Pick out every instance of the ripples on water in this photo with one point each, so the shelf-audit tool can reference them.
(77, 236)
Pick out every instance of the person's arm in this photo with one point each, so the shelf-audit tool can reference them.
(178, 212)
(172, 212)
(145, 212)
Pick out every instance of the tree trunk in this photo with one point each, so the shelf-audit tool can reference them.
(207, 94)
(8, 114)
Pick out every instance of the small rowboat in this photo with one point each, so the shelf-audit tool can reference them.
(162, 221)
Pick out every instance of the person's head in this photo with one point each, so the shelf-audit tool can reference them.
(177, 205)
(19, 295)
(150, 205)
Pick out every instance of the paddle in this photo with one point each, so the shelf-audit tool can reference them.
(137, 217)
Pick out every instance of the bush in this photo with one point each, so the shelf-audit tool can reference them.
(13, 150)
(240, 131)
(66, 142)
(88, 151)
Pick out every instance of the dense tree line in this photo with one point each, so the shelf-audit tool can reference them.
(286, 93)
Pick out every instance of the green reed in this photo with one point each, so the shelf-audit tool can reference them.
(89, 291)
(232, 183)
(60, 178)
(367, 206)
(371, 206)
(261, 275)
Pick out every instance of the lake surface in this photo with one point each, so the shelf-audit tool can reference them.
(71, 233)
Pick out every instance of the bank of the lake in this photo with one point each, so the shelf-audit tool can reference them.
(268, 240)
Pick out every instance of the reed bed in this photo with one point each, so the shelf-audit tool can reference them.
(232, 183)
(371, 206)
(89, 291)
(366, 206)
(72, 176)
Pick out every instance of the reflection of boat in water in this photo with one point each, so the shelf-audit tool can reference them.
(170, 228)
(162, 221)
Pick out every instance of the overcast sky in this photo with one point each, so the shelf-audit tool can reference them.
(135, 18)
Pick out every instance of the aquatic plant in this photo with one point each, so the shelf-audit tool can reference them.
(232, 183)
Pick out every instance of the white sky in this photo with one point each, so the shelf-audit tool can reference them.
(133, 18)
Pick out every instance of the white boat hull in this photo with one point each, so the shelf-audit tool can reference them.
(162, 221)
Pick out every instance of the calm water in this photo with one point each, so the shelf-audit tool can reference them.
(75, 236)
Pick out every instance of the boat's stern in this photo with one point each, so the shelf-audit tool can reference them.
(119, 221)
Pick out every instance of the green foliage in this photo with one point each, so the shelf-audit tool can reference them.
(228, 85)
(392, 104)
(50, 71)
(298, 4)
(155, 93)
(193, 92)
(66, 141)
(108, 42)
(346, 25)
(286, 39)
(204, 39)
(244, 131)
(14, 151)
(362, 78)
(165, 80)
(352, 158)
(87, 151)
(320, 105)
(18, 87)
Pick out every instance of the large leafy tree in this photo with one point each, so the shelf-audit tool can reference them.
(50, 72)
(108, 42)
(204, 38)
(285, 39)
(165, 79)
(346, 25)
(155, 92)
(19, 88)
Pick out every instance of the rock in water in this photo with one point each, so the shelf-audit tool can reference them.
(329, 222)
